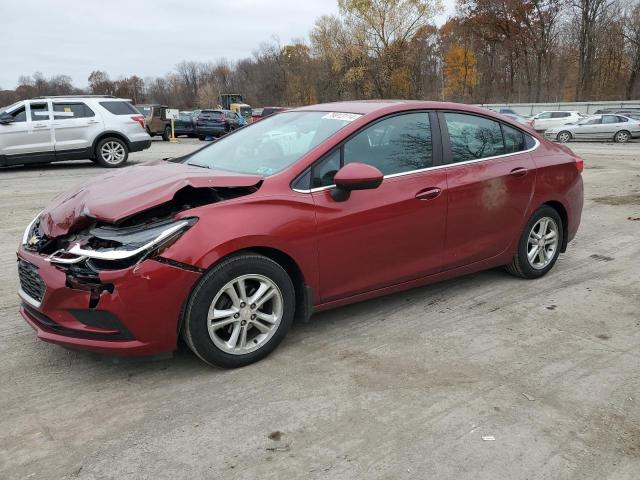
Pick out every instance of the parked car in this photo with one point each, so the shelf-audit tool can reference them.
(307, 210)
(265, 112)
(256, 114)
(185, 125)
(550, 119)
(518, 118)
(620, 111)
(597, 127)
(215, 123)
(52, 129)
(155, 117)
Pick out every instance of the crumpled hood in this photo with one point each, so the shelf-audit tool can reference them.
(124, 192)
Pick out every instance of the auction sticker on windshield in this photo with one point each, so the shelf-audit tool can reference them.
(345, 117)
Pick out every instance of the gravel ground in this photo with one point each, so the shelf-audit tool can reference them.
(413, 385)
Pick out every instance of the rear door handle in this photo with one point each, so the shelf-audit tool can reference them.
(39, 125)
(428, 193)
(519, 172)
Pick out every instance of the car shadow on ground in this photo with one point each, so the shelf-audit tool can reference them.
(322, 327)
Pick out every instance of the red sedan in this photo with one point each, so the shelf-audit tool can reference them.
(306, 210)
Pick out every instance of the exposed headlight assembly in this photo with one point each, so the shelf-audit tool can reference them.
(114, 244)
(27, 233)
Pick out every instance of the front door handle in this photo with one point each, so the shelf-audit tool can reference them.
(39, 125)
(519, 172)
(428, 193)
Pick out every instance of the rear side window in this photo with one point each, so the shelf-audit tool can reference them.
(64, 111)
(120, 108)
(514, 140)
(473, 137)
(544, 115)
(622, 119)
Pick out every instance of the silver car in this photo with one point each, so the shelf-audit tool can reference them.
(50, 129)
(618, 128)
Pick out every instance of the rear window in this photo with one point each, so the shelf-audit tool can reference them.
(119, 108)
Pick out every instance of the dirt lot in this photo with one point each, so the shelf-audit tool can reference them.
(400, 387)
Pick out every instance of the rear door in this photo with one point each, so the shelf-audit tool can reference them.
(394, 233)
(75, 126)
(558, 119)
(490, 182)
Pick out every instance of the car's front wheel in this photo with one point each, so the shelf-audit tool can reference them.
(166, 134)
(111, 152)
(539, 245)
(240, 311)
(564, 136)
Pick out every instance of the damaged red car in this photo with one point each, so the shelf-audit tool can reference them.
(310, 209)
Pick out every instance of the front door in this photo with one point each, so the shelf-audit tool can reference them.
(490, 183)
(394, 233)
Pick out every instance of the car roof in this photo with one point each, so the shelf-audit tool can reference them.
(364, 107)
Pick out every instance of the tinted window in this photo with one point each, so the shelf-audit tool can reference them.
(324, 171)
(212, 115)
(473, 137)
(544, 115)
(39, 112)
(560, 114)
(19, 115)
(63, 111)
(622, 119)
(398, 144)
(513, 139)
(120, 108)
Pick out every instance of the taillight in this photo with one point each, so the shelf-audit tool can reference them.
(139, 119)
(579, 164)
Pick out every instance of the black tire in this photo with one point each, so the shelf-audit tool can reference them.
(114, 160)
(564, 136)
(520, 266)
(166, 134)
(201, 138)
(195, 323)
(622, 136)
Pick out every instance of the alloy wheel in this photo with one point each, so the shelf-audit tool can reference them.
(622, 137)
(245, 314)
(112, 152)
(564, 137)
(542, 243)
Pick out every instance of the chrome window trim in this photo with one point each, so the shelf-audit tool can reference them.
(436, 167)
(28, 299)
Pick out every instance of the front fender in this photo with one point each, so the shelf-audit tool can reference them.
(284, 223)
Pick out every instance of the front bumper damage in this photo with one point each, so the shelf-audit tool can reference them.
(130, 311)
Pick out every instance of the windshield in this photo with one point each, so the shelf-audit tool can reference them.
(146, 111)
(271, 145)
(8, 107)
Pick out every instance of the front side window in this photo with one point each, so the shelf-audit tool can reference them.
(19, 115)
(543, 115)
(560, 114)
(395, 145)
(272, 144)
(65, 111)
(472, 137)
(39, 112)
(324, 171)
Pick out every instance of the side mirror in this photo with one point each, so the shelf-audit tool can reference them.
(6, 118)
(355, 176)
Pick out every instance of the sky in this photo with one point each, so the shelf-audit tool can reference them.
(144, 37)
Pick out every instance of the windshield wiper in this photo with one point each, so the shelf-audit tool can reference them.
(198, 165)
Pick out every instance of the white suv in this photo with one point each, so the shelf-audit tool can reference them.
(555, 118)
(50, 129)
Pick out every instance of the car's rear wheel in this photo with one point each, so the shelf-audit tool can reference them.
(621, 137)
(166, 134)
(240, 311)
(111, 152)
(539, 245)
(564, 136)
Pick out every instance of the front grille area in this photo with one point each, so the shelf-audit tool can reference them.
(30, 280)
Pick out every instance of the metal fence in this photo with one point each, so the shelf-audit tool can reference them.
(582, 107)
